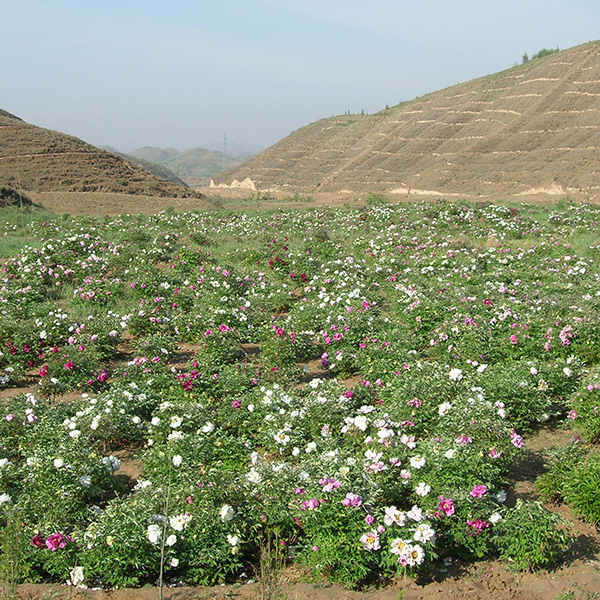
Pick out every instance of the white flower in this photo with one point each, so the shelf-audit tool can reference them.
(424, 533)
(481, 368)
(234, 540)
(415, 513)
(176, 422)
(567, 372)
(179, 522)
(455, 374)
(281, 437)
(253, 476)
(250, 407)
(112, 463)
(208, 427)
(494, 518)
(398, 545)
(501, 496)
(415, 555)
(5, 498)
(417, 462)
(422, 489)
(443, 408)
(174, 562)
(76, 576)
(75, 433)
(153, 533)
(171, 540)
(394, 516)
(177, 460)
(310, 447)
(450, 453)
(226, 513)
(59, 462)
(360, 422)
(86, 481)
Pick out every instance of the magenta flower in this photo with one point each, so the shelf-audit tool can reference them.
(55, 541)
(69, 365)
(477, 526)
(38, 541)
(446, 506)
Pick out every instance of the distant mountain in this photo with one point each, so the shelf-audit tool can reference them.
(150, 166)
(532, 129)
(196, 163)
(37, 159)
(155, 155)
(235, 150)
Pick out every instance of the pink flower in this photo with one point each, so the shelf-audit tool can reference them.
(514, 339)
(10, 417)
(329, 484)
(38, 541)
(369, 519)
(479, 491)
(572, 415)
(352, 500)
(310, 504)
(517, 440)
(462, 440)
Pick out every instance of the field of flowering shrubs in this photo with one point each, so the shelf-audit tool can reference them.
(351, 384)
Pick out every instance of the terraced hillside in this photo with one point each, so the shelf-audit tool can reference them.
(40, 160)
(532, 128)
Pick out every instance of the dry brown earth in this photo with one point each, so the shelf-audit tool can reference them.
(532, 129)
(37, 159)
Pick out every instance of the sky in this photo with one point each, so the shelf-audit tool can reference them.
(184, 73)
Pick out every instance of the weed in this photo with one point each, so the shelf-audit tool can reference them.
(272, 562)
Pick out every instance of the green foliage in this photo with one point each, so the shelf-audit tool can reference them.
(530, 537)
(581, 489)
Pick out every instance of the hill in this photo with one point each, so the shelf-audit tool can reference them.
(41, 160)
(532, 128)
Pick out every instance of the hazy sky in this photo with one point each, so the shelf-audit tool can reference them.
(180, 73)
